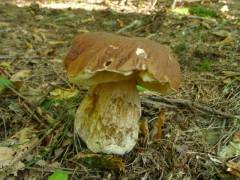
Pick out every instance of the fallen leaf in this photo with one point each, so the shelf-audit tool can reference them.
(212, 136)
(41, 163)
(64, 93)
(87, 20)
(11, 157)
(48, 52)
(54, 165)
(6, 65)
(158, 125)
(59, 175)
(58, 152)
(4, 83)
(22, 74)
(144, 130)
(4, 24)
(6, 153)
(231, 73)
(66, 142)
(24, 135)
(39, 17)
(33, 95)
(141, 89)
(6, 157)
(233, 168)
(180, 11)
(221, 33)
(236, 136)
(231, 150)
(120, 23)
(37, 38)
(229, 40)
(28, 45)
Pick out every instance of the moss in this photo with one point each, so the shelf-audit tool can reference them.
(206, 65)
(180, 48)
(202, 11)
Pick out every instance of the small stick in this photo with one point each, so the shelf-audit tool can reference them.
(135, 23)
(187, 103)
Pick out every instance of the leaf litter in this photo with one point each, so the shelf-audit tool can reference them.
(36, 122)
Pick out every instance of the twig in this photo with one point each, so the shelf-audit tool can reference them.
(135, 23)
(174, 4)
(61, 77)
(189, 104)
(5, 128)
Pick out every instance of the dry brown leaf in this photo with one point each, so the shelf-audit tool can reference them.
(221, 33)
(120, 23)
(4, 24)
(28, 45)
(144, 130)
(233, 168)
(6, 65)
(24, 135)
(236, 136)
(11, 157)
(229, 40)
(41, 163)
(158, 125)
(54, 165)
(22, 74)
(33, 95)
(7, 155)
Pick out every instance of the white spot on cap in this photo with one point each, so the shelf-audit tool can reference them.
(141, 52)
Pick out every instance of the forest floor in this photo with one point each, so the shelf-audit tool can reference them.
(201, 135)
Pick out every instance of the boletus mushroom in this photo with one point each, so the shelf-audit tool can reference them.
(111, 66)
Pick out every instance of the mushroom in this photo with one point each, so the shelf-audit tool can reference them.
(111, 66)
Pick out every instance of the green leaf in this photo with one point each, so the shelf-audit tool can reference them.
(5, 82)
(59, 175)
(140, 88)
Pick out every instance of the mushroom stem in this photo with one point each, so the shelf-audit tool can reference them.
(107, 119)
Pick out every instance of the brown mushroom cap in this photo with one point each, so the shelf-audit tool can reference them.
(99, 57)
